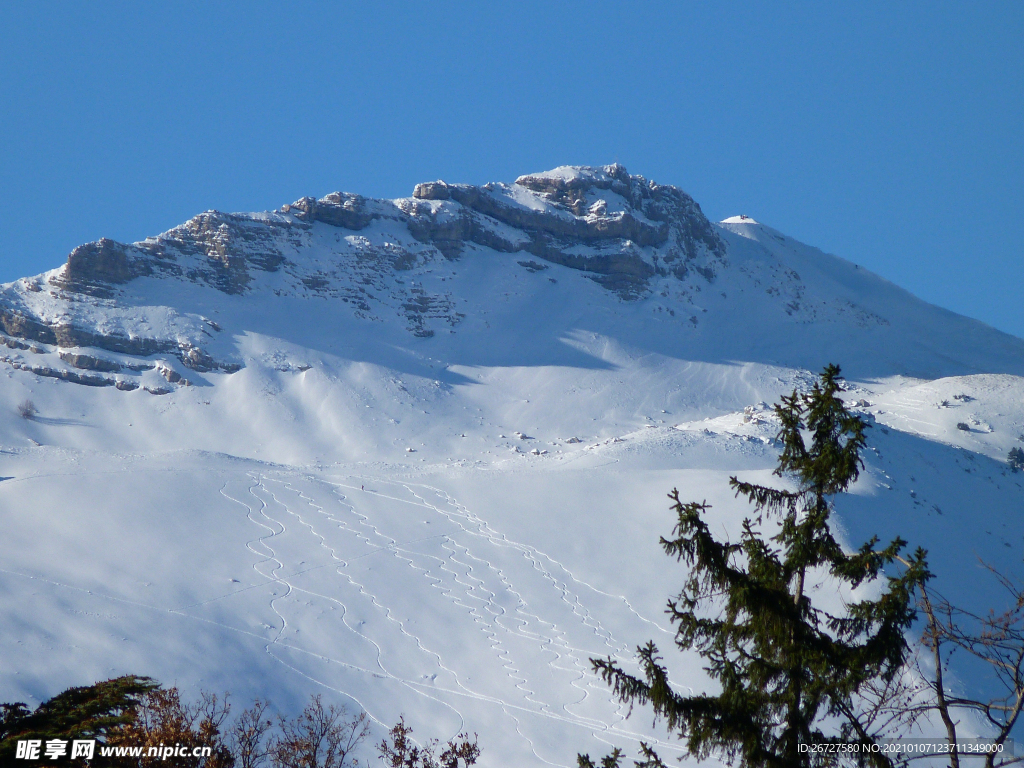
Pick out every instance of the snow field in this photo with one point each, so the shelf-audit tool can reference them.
(359, 512)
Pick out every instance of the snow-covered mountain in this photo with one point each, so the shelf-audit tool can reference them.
(415, 452)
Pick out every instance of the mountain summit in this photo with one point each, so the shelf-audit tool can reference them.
(620, 229)
(450, 257)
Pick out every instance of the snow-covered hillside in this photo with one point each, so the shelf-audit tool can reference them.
(414, 453)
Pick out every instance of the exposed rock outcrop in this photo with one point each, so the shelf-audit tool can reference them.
(339, 209)
(650, 216)
(56, 373)
(617, 229)
(90, 363)
(579, 227)
(94, 267)
(65, 335)
(228, 246)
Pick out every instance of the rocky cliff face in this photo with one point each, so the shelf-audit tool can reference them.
(619, 228)
(616, 229)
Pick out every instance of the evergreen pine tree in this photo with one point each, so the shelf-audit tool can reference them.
(87, 712)
(783, 664)
(1015, 459)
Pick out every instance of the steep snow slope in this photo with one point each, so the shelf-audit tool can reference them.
(414, 453)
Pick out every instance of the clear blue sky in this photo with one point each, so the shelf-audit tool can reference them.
(891, 134)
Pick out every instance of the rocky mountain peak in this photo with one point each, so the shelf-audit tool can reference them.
(620, 229)
(606, 210)
(439, 263)
(615, 229)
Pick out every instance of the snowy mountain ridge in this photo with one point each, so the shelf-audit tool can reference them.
(403, 262)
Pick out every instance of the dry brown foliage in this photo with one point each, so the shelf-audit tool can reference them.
(163, 720)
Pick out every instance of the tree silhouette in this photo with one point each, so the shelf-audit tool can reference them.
(783, 665)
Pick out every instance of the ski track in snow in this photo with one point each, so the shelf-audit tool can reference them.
(291, 588)
(465, 578)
